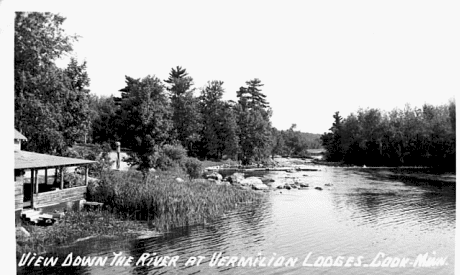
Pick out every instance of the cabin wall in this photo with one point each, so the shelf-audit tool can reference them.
(59, 196)
(17, 145)
(18, 191)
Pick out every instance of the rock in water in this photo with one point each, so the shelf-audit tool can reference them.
(260, 186)
(235, 178)
(303, 184)
(267, 180)
(275, 185)
(318, 188)
(251, 181)
(214, 176)
(255, 183)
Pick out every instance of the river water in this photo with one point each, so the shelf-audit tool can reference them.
(365, 222)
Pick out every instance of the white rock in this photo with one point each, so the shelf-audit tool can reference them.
(251, 181)
(214, 176)
(260, 186)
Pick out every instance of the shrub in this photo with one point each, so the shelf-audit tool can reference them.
(170, 156)
(193, 167)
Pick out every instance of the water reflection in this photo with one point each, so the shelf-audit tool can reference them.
(363, 213)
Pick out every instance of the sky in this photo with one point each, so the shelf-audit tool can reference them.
(313, 57)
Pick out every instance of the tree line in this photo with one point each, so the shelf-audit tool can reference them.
(402, 137)
(158, 120)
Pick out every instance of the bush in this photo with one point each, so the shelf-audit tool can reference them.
(171, 156)
(193, 167)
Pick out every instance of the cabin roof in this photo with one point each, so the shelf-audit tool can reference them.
(28, 160)
(18, 135)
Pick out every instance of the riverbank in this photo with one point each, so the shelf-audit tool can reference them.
(75, 226)
(134, 208)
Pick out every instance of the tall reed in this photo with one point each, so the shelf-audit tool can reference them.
(164, 202)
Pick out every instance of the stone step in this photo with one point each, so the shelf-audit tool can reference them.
(30, 214)
(37, 218)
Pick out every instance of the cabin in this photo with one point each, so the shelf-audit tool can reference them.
(46, 182)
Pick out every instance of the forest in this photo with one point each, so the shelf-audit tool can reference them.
(412, 136)
(158, 121)
(155, 120)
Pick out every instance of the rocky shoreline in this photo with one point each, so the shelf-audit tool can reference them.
(267, 182)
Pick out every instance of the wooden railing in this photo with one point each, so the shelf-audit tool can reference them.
(59, 196)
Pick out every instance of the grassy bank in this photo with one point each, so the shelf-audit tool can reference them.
(163, 201)
(133, 206)
(75, 226)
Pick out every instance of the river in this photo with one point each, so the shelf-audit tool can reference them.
(366, 222)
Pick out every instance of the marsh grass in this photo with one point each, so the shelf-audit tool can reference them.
(134, 205)
(165, 203)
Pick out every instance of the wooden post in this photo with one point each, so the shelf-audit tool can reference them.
(118, 144)
(46, 176)
(55, 175)
(62, 178)
(86, 175)
(36, 181)
(32, 185)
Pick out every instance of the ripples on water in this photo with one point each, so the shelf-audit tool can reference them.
(362, 214)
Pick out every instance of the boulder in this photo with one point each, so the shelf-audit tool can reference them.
(179, 180)
(251, 181)
(235, 178)
(260, 186)
(214, 176)
(318, 188)
(267, 180)
(303, 184)
(275, 184)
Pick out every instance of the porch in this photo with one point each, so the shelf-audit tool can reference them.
(44, 180)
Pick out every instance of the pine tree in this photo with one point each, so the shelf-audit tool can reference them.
(219, 122)
(185, 114)
(254, 123)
